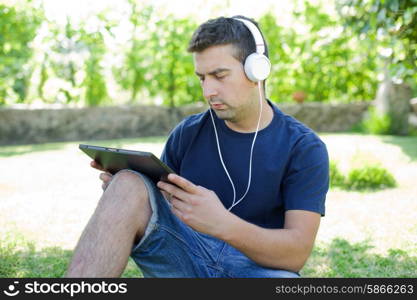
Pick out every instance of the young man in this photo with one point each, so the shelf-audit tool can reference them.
(250, 188)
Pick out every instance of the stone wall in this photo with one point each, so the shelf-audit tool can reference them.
(24, 126)
(327, 117)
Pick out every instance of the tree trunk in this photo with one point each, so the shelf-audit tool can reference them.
(394, 100)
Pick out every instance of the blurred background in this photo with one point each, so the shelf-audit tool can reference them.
(117, 73)
(94, 52)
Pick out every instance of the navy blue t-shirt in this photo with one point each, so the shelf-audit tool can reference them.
(290, 167)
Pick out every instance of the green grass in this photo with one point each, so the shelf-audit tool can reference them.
(340, 258)
(49, 189)
(21, 258)
(7, 151)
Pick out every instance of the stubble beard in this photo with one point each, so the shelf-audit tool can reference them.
(225, 115)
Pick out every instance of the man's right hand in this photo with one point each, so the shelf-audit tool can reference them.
(106, 177)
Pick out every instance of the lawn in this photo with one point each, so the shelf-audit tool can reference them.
(48, 192)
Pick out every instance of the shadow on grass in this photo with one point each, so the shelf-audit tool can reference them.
(7, 151)
(408, 144)
(13, 150)
(121, 143)
(340, 258)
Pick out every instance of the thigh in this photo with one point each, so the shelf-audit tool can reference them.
(170, 248)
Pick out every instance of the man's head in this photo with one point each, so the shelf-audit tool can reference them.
(223, 31)
(220, 47)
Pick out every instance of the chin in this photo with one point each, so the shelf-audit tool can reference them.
(224, 115)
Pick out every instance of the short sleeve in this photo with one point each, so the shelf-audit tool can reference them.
(172, 150)
(306, 181)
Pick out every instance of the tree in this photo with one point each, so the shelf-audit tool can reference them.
(94, 81)
(17, 30)
(392, 24)
(71, 63)
(324, 62)
(138, 57)
(157, 63)
(172, 70)
(65, 61)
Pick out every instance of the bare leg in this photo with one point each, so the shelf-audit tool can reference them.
(121, 216)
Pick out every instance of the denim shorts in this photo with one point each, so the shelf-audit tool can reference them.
(170, 248)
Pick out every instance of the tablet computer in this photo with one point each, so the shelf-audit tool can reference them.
(114, 160)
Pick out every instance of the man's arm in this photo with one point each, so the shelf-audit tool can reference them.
(286, 248)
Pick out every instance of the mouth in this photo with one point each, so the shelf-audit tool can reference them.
(218, 106)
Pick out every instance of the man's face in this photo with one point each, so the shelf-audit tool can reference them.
(230, 94)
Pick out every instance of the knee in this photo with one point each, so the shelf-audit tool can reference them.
(126, 182)
(127, 199)
(127, 177)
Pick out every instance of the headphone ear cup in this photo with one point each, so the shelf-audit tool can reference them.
(257, 67)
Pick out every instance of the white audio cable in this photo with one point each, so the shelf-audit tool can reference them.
(234, 203)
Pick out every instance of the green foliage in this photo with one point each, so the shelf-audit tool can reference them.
(18, 28)
(327, 64)
(172, 72)
(392, 23)
(369, 178)
(319, 57)
(163, 68)
(94, 81)
(61, 66)
(137, 58)
(74, 64)
(336, 177)
(376, 123)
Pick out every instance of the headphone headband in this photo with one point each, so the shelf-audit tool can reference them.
(257, 36)
(257, 66)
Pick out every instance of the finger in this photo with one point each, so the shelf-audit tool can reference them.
(180, 205)
(177, 212)
(166, 195)
(106, 177)
(173, 191)
(183, 183)
(96, 165)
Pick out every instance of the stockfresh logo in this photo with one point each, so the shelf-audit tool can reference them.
(12, 290)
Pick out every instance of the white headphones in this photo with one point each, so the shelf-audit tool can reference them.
(257, 65)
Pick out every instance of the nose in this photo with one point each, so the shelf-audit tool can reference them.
(209, 88)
